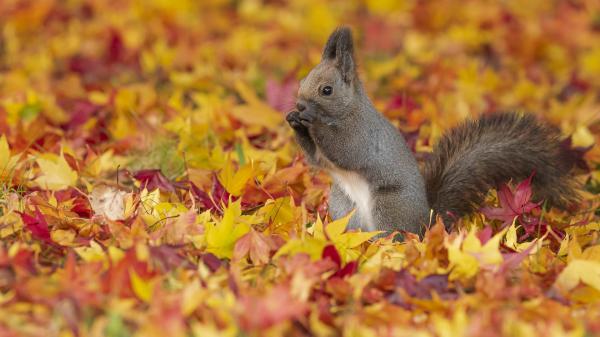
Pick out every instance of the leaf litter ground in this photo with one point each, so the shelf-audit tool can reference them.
(151, 187)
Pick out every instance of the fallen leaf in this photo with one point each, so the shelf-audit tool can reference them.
(56, 174)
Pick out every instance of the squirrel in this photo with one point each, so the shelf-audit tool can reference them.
(374, 172)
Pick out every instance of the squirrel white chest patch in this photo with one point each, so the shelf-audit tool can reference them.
(357, 190)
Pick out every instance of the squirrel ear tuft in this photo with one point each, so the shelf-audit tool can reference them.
(340, 48)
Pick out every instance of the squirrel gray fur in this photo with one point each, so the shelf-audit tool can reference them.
(374, 171)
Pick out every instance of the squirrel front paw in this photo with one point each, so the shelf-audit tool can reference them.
(307, 117)
(293, 119)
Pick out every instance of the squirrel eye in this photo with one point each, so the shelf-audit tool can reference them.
(326, 90)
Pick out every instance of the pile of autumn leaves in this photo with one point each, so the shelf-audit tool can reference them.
(166, 257)
(146, 192)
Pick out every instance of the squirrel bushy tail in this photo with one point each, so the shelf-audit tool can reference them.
(481, 154)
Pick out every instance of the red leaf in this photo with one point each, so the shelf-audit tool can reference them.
(117, 280)
(512, 260)
(153, 179)
(115, 49)
(330, 252)
(211, 261)
(512, 204)
(167, 258)
(217, 197)
(37, 225)
(485, 235)
(349, 269)
(523, 195)
(402, 102)
(422, 289)
(81, 111)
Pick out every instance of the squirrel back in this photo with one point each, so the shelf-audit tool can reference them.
(478, 155)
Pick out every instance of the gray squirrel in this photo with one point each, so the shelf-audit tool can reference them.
(374, 172)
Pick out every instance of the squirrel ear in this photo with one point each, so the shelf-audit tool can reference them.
(340, 49)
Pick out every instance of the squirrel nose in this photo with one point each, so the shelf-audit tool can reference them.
(300, 106)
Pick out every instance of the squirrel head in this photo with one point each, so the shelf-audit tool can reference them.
(332, 87)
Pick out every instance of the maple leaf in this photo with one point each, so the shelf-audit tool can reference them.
(255, 112)
(234, 183)
(7, 162)
(156, 213)
(277, 185)
(254, 244)
(467, 255)
(222, 236)
(213, 200)
(583, 267)
(346, 243)
(37, 225)
(513, 204)
(584, 271)
(56, 174)
(330, 252)
(153, 179)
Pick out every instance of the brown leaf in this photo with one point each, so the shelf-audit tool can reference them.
(255, 245)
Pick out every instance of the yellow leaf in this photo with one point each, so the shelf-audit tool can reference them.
(467, 255)
(11, 223)
(463, 265)
(317, 229)
(386, 6)
(562, 249)
(583, 137)
(63, 237)
(234, 183)
(142, 288)
(584, 271)
(278, 211)
(129, 206)
(355, 239)
(193, 296)
(337, 227)
(457, 325)
(142, 252)
(122, 126)
(255, 112)
(309, 245)
(489, 253)
(573, 250)
(92, 253)
(56, 173)
(107, 161)
(221, 237)
(590, 62)
(7, 163)
(345, 243)
(115, 254)
(591, 253)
